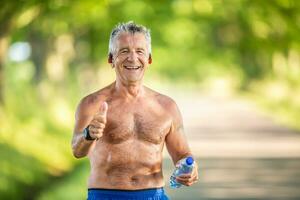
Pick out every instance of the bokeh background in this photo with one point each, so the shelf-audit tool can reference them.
(54, 52)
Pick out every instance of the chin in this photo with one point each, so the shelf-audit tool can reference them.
(133, 79)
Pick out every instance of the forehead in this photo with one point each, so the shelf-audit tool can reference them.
(131, 40)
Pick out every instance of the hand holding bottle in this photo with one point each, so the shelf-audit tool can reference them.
(186, 173)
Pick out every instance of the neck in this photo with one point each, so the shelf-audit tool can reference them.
(130, 90)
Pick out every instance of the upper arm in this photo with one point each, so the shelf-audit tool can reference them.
(83, 115)
(176, 141)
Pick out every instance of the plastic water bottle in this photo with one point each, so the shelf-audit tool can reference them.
(185, 166)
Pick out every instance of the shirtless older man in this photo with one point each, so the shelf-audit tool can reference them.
(123, 127)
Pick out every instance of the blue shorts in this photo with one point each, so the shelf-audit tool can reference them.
(146, 194)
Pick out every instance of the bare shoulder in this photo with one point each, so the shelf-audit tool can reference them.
(92, 102)
(165, 101)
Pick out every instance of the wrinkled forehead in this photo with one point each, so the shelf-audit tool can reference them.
(131, 40)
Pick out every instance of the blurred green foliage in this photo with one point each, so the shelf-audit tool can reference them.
(247, 42)
(71, 186)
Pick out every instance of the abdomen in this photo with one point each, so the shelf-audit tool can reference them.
(130, 165)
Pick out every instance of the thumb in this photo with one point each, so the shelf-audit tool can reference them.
(103, 109)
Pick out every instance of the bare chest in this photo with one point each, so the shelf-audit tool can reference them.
(145, 125)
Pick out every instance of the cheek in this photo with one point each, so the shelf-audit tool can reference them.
(143, 61)
(117, 62)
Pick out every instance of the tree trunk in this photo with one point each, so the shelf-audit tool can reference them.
(38, 54)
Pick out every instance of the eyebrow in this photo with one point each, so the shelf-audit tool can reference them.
(141, 48)
(123, 48)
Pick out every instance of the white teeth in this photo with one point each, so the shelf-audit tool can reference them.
(131, 68)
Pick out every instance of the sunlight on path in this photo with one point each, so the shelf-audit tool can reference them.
(242, 154)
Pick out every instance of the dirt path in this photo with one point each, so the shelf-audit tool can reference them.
(242, 153)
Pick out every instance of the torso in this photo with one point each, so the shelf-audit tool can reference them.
(129, 154)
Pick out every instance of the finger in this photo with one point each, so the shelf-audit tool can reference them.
(100, 118)
(185, 176)
(186, 183)
(195, 174)
(185, 179)
(103, 109)
(195, 170)
(95, 129)
(181, 182)
(97, 124)
(189, 184)
(95, 135)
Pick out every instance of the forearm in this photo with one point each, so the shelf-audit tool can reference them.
(80, 146)
(180, 156)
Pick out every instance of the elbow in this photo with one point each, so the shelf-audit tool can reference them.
(77, 154)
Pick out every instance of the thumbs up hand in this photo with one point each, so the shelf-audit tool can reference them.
(98, 122)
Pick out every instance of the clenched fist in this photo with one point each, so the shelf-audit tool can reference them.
(98, 122)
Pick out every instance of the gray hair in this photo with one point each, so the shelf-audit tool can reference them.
(129, 27)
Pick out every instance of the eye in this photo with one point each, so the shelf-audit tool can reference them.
(141, 52)
(123, 51)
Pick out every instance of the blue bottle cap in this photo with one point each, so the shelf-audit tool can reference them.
(189, 160)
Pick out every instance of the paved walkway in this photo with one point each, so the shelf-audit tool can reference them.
(242, 153)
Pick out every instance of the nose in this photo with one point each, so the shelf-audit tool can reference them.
(132, 57)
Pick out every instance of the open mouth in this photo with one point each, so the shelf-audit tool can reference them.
(132, 68)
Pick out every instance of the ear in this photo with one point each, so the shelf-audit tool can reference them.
(110, 58)
(150, 59)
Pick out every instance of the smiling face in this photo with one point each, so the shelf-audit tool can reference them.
(131, 57)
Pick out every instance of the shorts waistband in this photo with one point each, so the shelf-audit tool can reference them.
(149, 191)
(113, 194)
